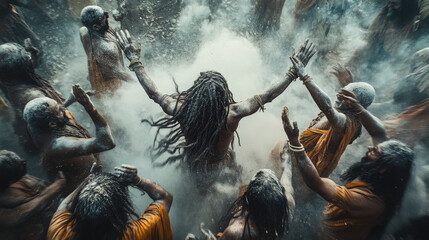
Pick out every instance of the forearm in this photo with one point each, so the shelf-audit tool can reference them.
(276, 89)
(103, 134)
(373, 125)
(21, 214)
(319, 96)
(306, 167)
(153, 189)
(148, 85)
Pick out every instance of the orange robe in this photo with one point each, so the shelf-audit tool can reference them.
(411, 125)
(339, 222)
(317, 142)
(153, 224)
(29, 187)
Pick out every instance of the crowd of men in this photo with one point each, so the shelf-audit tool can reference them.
(78, 200)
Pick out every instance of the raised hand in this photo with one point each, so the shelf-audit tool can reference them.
(81, 96)
(305, 52)
(126, 43)
(343, 75)
(350, 99)
(292, 132)
(299, 67)
(127, 174)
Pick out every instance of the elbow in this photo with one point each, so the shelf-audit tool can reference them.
(168, 198)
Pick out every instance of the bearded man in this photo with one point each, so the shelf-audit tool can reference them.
(375, 186)
(65, 144)
(24, 200)
(105, 62)
(101, 208)
(203, 118)
(21, 84)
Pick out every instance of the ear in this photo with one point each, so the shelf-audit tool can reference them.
(96, 27)
(52, 124)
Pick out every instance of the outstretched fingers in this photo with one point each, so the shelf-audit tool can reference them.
(127, 34)
(120, 40)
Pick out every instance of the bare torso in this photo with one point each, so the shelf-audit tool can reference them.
(107, 54)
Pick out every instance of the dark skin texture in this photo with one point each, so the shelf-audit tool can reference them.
(18, 207)
(72, 153)
(325, 187)
(237, 110)
(128, 175)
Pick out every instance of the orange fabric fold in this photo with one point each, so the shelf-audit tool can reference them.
(411, 125)
(153, 224)
(317, 142)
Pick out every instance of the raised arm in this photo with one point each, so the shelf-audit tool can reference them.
(325, 187)
(167, 103)
(251, 105)
(72, 146)
(128, 174)
(11, 217)
(322, 100)
(371, 123)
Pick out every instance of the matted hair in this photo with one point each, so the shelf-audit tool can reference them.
(102, 209)
(196, 125)
(265, 203)
(387, 177)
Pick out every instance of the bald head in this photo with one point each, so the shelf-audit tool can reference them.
(364, 92)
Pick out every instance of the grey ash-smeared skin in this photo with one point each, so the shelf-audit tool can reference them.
(65, 148)
(100, 43)
(237, 110)
(20, 83)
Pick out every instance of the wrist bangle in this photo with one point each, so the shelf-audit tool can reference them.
(259, 101)
(134, 63)
(296, 148)
(307, 80)
(140, 180)
(292, 73)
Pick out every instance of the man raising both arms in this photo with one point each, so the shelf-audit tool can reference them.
(202, 120)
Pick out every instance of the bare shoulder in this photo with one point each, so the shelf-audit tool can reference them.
(84, 33)
(233, 232)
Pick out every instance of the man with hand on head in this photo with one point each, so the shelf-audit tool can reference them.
(375, 185)
(101, 208)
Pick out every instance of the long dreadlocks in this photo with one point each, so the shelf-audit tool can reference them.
(196, 125)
